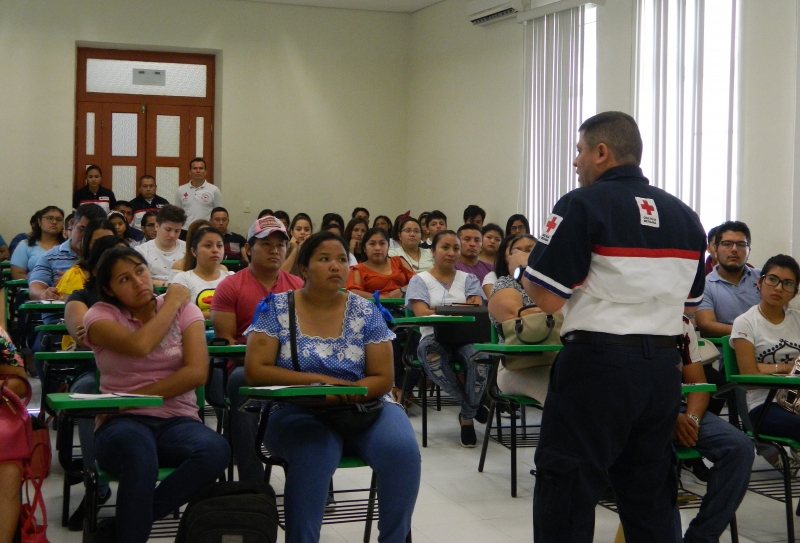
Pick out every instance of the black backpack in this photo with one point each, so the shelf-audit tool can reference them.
(231, 512)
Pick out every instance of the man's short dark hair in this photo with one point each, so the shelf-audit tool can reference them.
(198, 159)
(170, 213)
(474, 211)
(356, 210)
(435, 214)
(122, 203)
(618, 131)
(732, 226)
(492, 227)
(220, 210)
(146, 176)
(147, 216)
(468, 226)
(712, 234)
(265, 212)
(89, 211)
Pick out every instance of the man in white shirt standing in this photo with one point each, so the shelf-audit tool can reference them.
(165, 249)
(198, 197)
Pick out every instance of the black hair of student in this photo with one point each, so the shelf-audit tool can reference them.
(98, 249)
(89, 211)
(170, 213)
(436, 214)
(198, 159)
(500, 264)
(782, 261)
(330, 226)
(93, 167)
(329, 218)
(374, 231)
(492, 227)
(122, 203)
(517, 217)
(280, 215)
(147, 216)
(469, 226)
(732, 226)
(474, 211)
(198, 236)
(423, 218)
(105, 267)
(618, 131)
(146, 176)
(356, 210)
(439, 236)
(91, 228)
(348, 231)
(712, 234)
(312, 242)
(388, 220)
(221, 210)
(36, 230)
(299, 217)
(265, 212)
(407, 220)
(397, 226)
(128, 234)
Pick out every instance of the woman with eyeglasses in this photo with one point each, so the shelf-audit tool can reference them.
(46, 234)
(767, 341)
(410, 235)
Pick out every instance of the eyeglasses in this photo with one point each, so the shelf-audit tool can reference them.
(773, 281)
(52, 218)
(407, 231)
(149, 225)
(741, 245)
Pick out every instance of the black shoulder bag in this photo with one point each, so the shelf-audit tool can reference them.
(345, 419)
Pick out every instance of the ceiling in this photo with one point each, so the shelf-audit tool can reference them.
(399, 6)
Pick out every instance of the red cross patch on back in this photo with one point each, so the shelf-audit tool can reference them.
(549, 228)
(647, 211)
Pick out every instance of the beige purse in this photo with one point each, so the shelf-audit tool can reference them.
(789, 399)
(533, 329)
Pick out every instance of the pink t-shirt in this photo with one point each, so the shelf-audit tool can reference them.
(241, 292)
(122, 373)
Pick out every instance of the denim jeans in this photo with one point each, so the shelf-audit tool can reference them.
(777, 422)
(243, 432)
(86, 383)
(732, 453)
(134, 447)
(313, 452)
(441, 372)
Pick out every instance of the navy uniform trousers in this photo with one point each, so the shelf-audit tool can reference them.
(610, 413)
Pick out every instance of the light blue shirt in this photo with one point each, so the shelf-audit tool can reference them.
(58, 259)
(26, 256)
(727, 300)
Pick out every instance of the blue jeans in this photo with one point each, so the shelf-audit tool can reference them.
(732, 453)
(134, 446)
(777, 422)
(87, 384)
(441, 372)
(313, 452)
(243, 432)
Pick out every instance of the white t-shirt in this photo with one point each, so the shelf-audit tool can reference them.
(773, 343)
(159, 262)
(198, 202)
(489, 279)
(424, 263)
(427, 288)
(202, 290)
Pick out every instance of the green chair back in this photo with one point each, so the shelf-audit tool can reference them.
(729, 357)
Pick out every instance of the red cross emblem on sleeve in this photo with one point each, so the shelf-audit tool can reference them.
(648, 213)
(550, 226)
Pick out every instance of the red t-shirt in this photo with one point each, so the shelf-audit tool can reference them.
(372, 281)
(241, 292)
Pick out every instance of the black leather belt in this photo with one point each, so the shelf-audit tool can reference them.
(630, 340)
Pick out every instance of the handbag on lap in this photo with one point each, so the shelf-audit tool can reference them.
(532, 329)
(789, 399)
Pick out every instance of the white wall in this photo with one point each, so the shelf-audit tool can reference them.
(311, 115)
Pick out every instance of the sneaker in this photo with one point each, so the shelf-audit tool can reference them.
(468, 437)
(106, 532)
(330, 503)
(696, 469)
(75, 523)
(777, 463)
(482, 415)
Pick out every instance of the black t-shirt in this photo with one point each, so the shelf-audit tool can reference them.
(87, 296)
(104, 198)
(234, 245)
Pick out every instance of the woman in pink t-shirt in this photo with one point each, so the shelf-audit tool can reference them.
(149, 345)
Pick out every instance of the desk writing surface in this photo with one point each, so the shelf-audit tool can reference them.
(43, 307)
(502, 348)
(61, 400)
(434, 319)
(755, 379)
(688, 388)
(227, 350)
(300, 391)
(64, 355)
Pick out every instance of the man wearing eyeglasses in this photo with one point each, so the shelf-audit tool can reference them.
(731, 287)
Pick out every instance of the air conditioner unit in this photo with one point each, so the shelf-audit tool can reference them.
(484, 12)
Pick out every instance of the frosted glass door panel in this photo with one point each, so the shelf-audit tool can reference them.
(90, 132)
(168, 180)
(123, 182)
(116, 76)
(168, 136)
(124, 134)
(198, 136)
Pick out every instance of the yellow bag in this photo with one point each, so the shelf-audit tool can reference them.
(72, 280)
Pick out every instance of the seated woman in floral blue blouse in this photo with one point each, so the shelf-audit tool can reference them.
(341, 340)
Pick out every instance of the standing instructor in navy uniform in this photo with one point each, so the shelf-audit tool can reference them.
(622, 258)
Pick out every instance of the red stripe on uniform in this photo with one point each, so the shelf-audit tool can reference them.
(645, 253)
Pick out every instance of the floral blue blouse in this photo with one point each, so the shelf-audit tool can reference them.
(341, 357)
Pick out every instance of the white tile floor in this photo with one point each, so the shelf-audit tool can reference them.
(458, 504)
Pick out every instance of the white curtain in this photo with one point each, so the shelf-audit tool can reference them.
(685, 101)
(554, 90)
